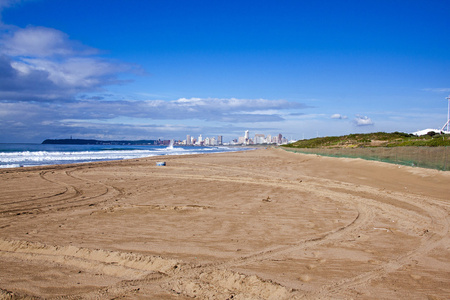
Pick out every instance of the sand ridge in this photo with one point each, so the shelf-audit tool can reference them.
(263, 224)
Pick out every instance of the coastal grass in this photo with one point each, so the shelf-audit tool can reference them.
(376, 139)
(427, 151)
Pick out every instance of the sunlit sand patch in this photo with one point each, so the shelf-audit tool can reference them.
(305, 278)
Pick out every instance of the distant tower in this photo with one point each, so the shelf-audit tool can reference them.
(246, 136)
(219, 140)
(448, 116)
(188, 139)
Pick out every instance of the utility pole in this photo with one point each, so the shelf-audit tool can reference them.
(448, 116)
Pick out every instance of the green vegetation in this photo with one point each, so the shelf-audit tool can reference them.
(377, 139)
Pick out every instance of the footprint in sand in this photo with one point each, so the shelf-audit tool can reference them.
(305, 278)
(416, 277)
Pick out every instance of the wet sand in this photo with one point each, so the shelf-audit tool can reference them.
(263, 224)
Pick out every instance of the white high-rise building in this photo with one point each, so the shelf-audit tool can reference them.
(247, 137)
(259, 139)
(188, 140)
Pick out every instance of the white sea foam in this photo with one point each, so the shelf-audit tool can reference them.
(11, 159)
(44, 156)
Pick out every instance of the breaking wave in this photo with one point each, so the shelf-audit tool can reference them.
(18, 157)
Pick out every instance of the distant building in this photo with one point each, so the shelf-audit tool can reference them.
(188, 140)
(260, 138)
(275, 139)
(219, 140)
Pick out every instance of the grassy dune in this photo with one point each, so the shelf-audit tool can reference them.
(377, 139)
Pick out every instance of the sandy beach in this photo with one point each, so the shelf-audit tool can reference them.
(262, 224)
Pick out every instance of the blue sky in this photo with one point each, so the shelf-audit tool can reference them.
(163, 69)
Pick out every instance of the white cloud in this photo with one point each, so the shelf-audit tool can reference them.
(40, 64)
(128, 119)
(42, 42)
(338, 116)
(236, 111)
(363, 121)
(83, 72)
(234, 103)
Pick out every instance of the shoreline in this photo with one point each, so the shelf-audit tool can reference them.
(255, 224)
(41, 155)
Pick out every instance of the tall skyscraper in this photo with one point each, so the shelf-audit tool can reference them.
(188, 139)
(219, 140)
(247, 137)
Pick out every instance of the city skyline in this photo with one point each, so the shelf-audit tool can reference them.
(259, 138)
(158, 69)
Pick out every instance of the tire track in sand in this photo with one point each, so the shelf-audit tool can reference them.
(135, 269)
(432, 238)
(412, 208)
(219, 280)
(77, 192)
(42, 203)
(364, 216)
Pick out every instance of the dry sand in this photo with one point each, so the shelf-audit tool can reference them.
(264, 224)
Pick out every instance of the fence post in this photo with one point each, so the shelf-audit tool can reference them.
(445, 158)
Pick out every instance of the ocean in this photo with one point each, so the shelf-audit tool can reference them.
(26, 155)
